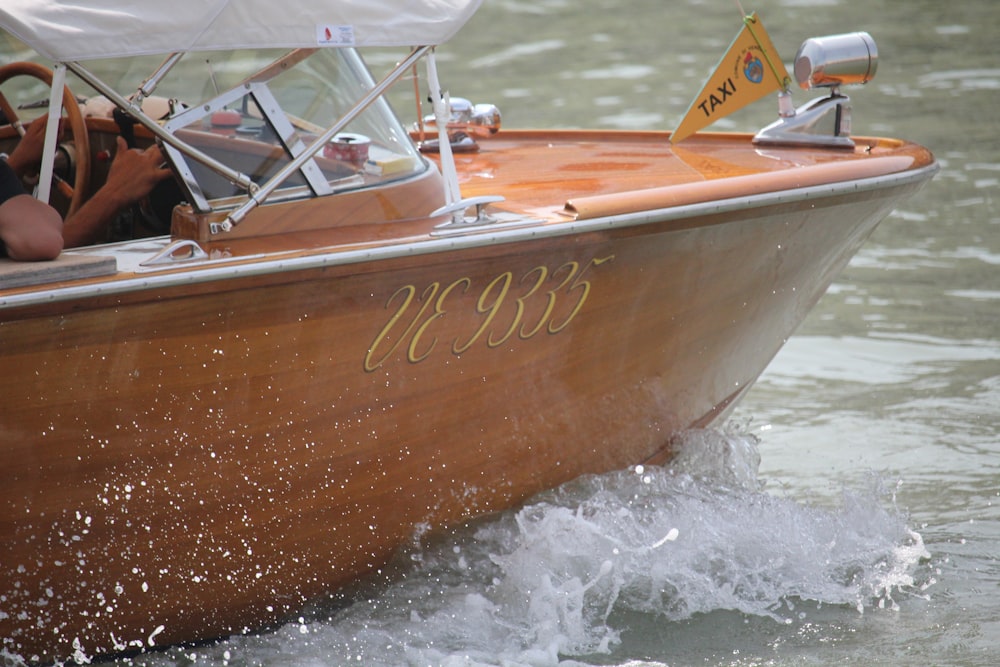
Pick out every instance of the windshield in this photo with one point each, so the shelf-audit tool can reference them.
(257, 124)
(241, 110)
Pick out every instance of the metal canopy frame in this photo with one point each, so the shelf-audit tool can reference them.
(302, 161)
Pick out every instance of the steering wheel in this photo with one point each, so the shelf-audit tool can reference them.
(78, 129)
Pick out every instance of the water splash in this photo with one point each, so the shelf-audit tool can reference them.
(558, 579)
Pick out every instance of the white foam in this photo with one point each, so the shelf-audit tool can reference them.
(558, 579)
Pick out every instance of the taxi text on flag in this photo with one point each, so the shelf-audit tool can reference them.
(750, 70)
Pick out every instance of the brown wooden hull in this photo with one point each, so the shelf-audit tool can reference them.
(189, 461)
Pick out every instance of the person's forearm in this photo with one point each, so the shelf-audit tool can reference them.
(133, 174)
(27, 155)
(17, 164)
(90, 222)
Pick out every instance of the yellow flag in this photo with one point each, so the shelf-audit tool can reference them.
(750, 70)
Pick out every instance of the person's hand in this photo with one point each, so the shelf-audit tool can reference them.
(134, 173)
(28, 152)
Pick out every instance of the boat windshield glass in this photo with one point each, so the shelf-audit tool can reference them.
(254, 116)
(258, 125)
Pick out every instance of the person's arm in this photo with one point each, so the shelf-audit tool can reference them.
(132, 176)
(30, 230)
(28, 153)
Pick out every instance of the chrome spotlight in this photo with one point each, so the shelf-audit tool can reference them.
(840, 60)
(824, 62)
(466, 123)
(481, 120)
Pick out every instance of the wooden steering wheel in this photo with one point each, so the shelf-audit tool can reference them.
(78, 129)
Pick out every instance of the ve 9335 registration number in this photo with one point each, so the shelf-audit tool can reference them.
(541, 299)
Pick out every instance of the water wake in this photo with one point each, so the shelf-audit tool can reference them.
(556, 580)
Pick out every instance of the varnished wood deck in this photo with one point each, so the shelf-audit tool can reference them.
(66, 267)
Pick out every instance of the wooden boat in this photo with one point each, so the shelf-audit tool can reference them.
(336, 340)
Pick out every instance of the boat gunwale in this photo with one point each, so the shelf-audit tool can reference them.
(330, 256)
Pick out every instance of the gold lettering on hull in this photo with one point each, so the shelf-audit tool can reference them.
(507, 306)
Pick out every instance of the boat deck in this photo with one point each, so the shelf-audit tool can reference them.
(615, 172)
(68, 266)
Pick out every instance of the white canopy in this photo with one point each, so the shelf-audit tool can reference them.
(68, 30)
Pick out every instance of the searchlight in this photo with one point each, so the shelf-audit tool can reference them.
(823, 62)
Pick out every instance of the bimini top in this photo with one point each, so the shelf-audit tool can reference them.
(72, 30)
